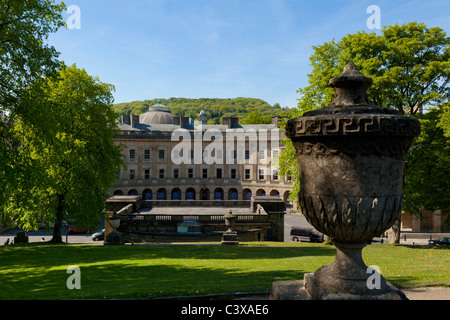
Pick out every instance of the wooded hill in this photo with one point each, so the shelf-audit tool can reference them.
(249, 110)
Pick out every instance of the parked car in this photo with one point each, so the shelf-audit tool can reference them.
(98, 235)
(440, 241)
(78, 230)
(302, 234)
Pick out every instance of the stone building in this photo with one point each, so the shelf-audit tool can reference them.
(430, 221)
(172, 158)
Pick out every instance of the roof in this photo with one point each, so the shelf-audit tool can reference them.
(158, 126)
(156, 117)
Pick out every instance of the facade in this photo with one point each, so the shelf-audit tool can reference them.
(430, 221)
(171, 158)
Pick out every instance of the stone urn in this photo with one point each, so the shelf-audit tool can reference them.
(230, 237)
(351, 158)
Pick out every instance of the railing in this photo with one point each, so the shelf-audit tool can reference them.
(145, 219)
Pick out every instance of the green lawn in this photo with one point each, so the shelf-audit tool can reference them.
(38, 271)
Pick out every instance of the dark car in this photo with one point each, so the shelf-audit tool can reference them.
(98, 235)
(441, 241)
(302, 234)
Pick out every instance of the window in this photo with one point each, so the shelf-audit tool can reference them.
(219, 173)
(132, 154)
(247, 174)
(233, 174)
(261, 154)
(176, 154)
(274, 154)
(175, 173)
(190, 173)
(161, 173)
(205, 173)
(275, 175)
(132, 175)
(234, 154)
(146, 174)
(247, 154)
(161, 154)
(146, 154)
(261, 174)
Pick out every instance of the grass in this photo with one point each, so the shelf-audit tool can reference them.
(38, 271)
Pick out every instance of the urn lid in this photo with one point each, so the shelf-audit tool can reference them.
(350, 87)
(351, 113)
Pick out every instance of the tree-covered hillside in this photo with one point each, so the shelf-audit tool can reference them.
(249, 110)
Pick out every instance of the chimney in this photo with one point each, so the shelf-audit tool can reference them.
(181, 121)
(231, 122)
(134, 120)
(184, 121)
(126, 119)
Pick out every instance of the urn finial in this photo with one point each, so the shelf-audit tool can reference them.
(350, 87)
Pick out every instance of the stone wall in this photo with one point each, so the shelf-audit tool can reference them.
(264, 221)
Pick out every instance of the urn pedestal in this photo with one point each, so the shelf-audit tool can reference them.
(229, 237)
(351, 158)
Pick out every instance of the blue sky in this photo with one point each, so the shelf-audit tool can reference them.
(218, 48)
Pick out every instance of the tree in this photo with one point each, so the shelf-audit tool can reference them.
(24, 25)
(255, 117)
(67, 150)
(428, 166)
(409, 65)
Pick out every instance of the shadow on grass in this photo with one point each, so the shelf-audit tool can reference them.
(124, 281)
(39, 272)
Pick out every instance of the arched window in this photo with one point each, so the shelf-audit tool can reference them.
(176, 194)
(247, 194)
(204, 194)
(218, 194)
(190, 194)
(162, 194)
(232, 194)
(147, 194)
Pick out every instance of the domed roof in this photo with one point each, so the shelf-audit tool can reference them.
(157, 114)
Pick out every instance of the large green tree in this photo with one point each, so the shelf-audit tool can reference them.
(410, 68)
(24, 58)
(428, 165)
(68, 156)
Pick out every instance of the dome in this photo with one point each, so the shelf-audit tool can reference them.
(157, 114)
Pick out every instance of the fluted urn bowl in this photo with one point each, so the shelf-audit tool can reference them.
(351, 158)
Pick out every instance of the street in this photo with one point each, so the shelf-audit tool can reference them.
(290, 220)
(36, 236)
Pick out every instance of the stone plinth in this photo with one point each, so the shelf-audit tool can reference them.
(230, 239)
(307, 289)
(21, 237)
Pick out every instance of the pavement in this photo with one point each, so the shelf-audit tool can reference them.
(420, 293)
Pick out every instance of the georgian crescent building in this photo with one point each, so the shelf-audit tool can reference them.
(172, 158)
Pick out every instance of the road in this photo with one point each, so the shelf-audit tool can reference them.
(290, 220)
(36, 236)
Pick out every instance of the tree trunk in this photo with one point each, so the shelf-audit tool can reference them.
(394, 232)
(57, 238)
